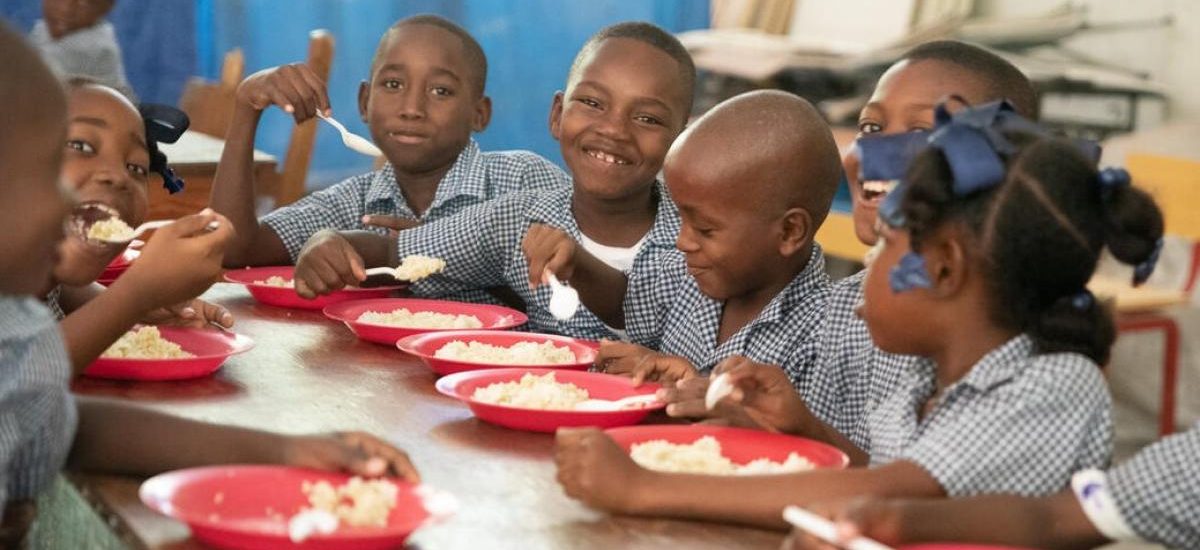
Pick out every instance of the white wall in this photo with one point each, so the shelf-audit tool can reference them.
(1170, 55)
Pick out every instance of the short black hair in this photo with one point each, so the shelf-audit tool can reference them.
(646, 33)
(476, 59)
(1002, 78)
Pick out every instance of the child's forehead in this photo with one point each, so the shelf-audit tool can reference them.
(427, 44)
(629, 61)
(927, 81)
(102, 104)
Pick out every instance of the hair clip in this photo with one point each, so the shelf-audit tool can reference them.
(164, 124)
(909, 274)
(1143, 271)
(1112, 178)
(1083, 300)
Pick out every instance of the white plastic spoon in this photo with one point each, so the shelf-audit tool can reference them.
(604, 405)
(564, 300)
(826, 530)
(718, 389)
(352, 141)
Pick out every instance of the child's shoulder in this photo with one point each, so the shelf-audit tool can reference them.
(22, 318)
(518, 170)
(1061, 377)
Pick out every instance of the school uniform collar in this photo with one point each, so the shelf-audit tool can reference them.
(554, 208)
(1000, 365)
(466, 178)
(798, 291)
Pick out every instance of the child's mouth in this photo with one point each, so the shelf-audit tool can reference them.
(874, 191)
(407, 138)
(605, 157)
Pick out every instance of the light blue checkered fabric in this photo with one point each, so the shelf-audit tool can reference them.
(1158, 490)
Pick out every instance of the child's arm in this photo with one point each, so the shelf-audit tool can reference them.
(332, 260)
(180, 262)
(296, 90)
(642, 363)
(120, 438)
(72, 298)
(601, 288)
(592, 468)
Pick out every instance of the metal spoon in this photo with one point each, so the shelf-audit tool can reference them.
(564, 300)
(352, 141)
(604, 405)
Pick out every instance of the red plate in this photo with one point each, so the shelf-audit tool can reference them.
(211, 348)
(287, 297)
(425, 345)
(492, 317)
(462, 386)
(738, 445)
(239, 516)
(955, 546)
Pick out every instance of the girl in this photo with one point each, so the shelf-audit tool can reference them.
(987, 251)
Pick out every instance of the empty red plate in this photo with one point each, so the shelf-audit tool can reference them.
(249, 507)
(739, 445)
(426, 345)
(492, 317)
(599, 386)
(211, 348)
(287, 297)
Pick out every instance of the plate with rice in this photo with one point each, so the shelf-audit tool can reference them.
(448, 352)
(718, 450)
(543, 400)
(167, 353)
(386, 320)
(120, 264)
(278, 506)
(275, 286)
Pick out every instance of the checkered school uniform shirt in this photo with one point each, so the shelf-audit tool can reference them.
(1016, 423)
(1158, 490)
(475, 177)
(782, 334)
(482, 249)
(37, 412)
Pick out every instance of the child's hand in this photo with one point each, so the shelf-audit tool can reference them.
(391, 223)
(858, 517)
(763, 398)
(642, 364)
(593, 469)
(356, 453)
(548, 249)
(180, 261)
(193, 313)
(328, 262)
(294, 88)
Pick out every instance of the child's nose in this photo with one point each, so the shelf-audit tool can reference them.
(118, 180)
(412, 103)
(614, 125)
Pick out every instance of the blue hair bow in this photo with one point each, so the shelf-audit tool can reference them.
(973, 142)
(164, 124)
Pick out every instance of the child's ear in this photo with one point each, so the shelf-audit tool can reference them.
(946, 261)
(364, 96)
(796, 231)
(556, 109)
(483, 114)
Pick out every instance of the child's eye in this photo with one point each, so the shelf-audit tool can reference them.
(392, 84)
(81, 146)
(137, 170)
(589, 102)
(442, 91)
(646, 119)
(867, 127)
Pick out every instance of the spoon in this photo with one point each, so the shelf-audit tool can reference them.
(603, 405)
(564, 300)
(826, 530)
(352, 141)
(409, 265)
(718, 389)
(150, 226)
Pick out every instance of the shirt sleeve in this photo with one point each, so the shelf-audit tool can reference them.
(653, 282)
(338, 207)
(1158, 490)
(540, 173)
(1025, 437)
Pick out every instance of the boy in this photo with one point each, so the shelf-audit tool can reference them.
(424, 98)
(75, 40)
(627, 97)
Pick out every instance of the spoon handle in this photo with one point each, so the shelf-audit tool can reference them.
(333, 122)
(826, 530)
(381, 271)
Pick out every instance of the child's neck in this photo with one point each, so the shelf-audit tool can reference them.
(419, 190)
(739, 311)
(615, 222)
(967, 341)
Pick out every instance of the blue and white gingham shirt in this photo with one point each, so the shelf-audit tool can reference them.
(1018, 422)
(475, 177)
(687, 325)
(1158, 490)
(482, 249)
(37, 412)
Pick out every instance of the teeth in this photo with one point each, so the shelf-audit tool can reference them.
(606, 157)
(879, 186)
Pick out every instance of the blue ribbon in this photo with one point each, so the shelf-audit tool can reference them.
(909, 273)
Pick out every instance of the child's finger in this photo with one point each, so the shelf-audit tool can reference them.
(356, 265)
(319, 88)
(394, 223)
(302, 105)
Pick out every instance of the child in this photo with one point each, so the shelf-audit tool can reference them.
(106, 162)
(1151, 498)
(987, 251)
(38, 415)
(424, 98)
(76, 40)
(627, 97)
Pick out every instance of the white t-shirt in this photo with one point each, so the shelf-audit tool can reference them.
(616, 257)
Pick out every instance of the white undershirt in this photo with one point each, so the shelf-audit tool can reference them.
(616, 257)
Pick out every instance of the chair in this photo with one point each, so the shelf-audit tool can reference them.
(209, 105)
(290, 185)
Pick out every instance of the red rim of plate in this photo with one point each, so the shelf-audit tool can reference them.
(955, 546)
(124, 258)
(174, 494)
(738, 444)
(426, 344)
(211, 348)
(493, 317)
(462, 386)
(287, 297)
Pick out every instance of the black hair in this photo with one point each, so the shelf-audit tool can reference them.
(1039, 235)
(1002, 79)
(476, 59)
(646, 33)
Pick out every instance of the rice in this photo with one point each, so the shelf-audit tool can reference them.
(521, 353)
(415, 268)
(703, 456)
(144, 343)
(276, 280)
(533, 392)
(111, 229)
(357, 503)
(421, 319)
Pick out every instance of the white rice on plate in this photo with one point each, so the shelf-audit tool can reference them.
(521, 353)
(277, 281)
(703, 456)
(420, 319)
(356, 503)
(414, 268)
(533, 392)
(144, 343)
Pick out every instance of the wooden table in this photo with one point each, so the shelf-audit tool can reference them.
(308, 374)
(194, 158)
